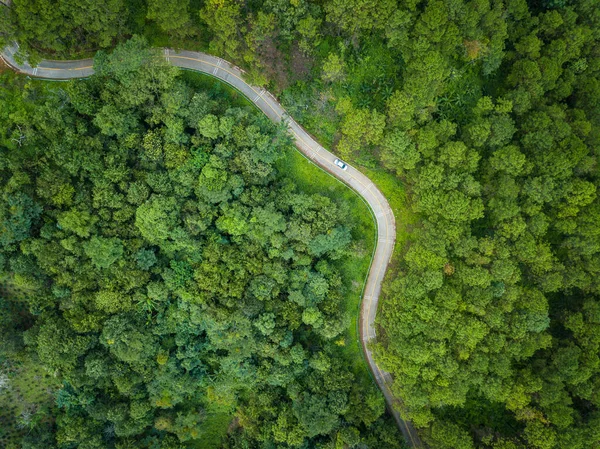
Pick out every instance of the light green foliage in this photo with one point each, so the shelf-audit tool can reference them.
(333, 68)
(359, 127)
(126, 341)
(156, 219)
(209, 126)
(111, 301)
(57, 345)
(309, 29)
(399, 152)
(130, 86)
(223, 18)
(314, 415)
(77, 221)
(103, 251)
(356, 15)
(487, 278)
(172, 16)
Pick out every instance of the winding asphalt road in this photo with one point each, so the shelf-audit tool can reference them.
(386, 226)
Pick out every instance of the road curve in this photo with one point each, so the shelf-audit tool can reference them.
(386, 226)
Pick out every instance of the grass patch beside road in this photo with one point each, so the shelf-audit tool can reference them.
(395, 192)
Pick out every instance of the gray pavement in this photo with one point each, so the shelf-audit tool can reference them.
(386, 226)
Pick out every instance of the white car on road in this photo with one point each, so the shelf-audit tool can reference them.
(341, 164)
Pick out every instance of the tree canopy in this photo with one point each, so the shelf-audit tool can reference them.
(479, 119)
(177, 277)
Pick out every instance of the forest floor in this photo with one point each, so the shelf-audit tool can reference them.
(28, 389)
(3, 66)
(25, 386)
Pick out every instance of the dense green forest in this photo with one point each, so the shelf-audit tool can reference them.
(173, 282)
(487, 113)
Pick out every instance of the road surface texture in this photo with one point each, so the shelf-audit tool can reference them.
(386, 227)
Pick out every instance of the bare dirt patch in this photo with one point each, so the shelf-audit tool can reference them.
(301, 64)
(3, 66)
(274, 64)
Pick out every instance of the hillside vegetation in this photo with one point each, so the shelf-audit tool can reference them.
(488, 111)
(182, 290)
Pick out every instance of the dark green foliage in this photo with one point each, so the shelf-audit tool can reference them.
(314, 415)
(67, 25)
(145, 258)
(17, 214)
